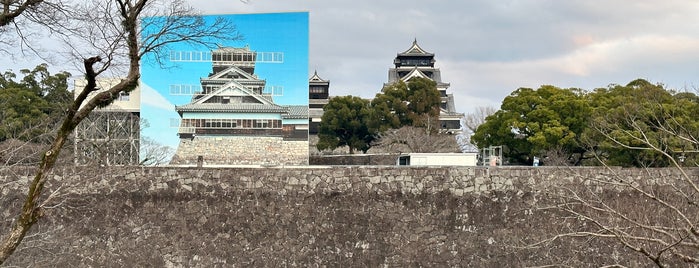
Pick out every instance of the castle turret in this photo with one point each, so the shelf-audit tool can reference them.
(417, 62)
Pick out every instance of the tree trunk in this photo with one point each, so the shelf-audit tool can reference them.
(31, 210)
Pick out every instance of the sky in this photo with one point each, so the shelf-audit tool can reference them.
(486, 49)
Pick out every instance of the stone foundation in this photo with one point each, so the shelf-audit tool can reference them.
(241, 151)
(318, 217)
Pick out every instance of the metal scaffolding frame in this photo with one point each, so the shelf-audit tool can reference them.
(189, 90)
(108, 138)
(205, 56)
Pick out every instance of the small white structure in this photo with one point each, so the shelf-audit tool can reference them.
(438, 159)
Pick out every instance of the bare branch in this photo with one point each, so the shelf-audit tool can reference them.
(410, 139)
(12, 9)
(109, 35)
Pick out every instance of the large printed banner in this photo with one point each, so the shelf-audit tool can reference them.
(241, 103)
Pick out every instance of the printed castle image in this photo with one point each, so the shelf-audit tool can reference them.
(233, 121)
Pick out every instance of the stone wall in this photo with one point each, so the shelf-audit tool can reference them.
(308, 217)
(241, 151)
(357, 159)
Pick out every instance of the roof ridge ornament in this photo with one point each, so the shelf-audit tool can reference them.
(414, 50)
(316, 77)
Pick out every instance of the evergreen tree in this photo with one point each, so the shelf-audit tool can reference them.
(32, 105)
(537, 122)
(415, 103)
(347, 122)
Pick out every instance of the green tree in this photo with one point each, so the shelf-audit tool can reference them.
(644, 125)
(53, 88)
(347, 122)
(634, 125)
(33, 105)
(415, 103)
(536, 123)
(20, 114)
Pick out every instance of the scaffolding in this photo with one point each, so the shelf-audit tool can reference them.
(248, 58)
(189, 90)
(108, 138)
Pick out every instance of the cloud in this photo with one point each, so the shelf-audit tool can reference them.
(151, 97)
(660, 58)
(486, 49)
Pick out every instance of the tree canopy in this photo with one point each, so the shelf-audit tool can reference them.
(533, 122)
(32, 105)
(346, 121)
(627, 121)
(409, 104)
(615, 125)
(356, 122)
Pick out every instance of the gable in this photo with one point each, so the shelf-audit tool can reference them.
(233, 92)
(232, 72)
(415, 49)
(316, 78)
(414, 73)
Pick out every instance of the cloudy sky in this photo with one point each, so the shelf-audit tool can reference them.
(486, 49)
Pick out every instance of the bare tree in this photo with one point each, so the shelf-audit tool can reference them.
(22, 21)
(469, 124)
(557, 156)
(472, 120)
(112, 36)
(154, 153)
(12, 9)
(657, 218)
(18, 152)
(14, 151)
(410, 139)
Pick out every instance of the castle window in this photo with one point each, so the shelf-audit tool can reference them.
(317, 89)
(261, 123)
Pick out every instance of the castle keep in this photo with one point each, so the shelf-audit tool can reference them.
(234, 121)
(417, 62)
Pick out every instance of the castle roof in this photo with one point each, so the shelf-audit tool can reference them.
(415, 50)
(234, 88)
(232, 71)
(416, 72)
(296, 112)
(451, 108)
(245, 49)
(232, 108)
(316, 78)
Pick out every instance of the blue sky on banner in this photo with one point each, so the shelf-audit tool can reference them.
(286, 33)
